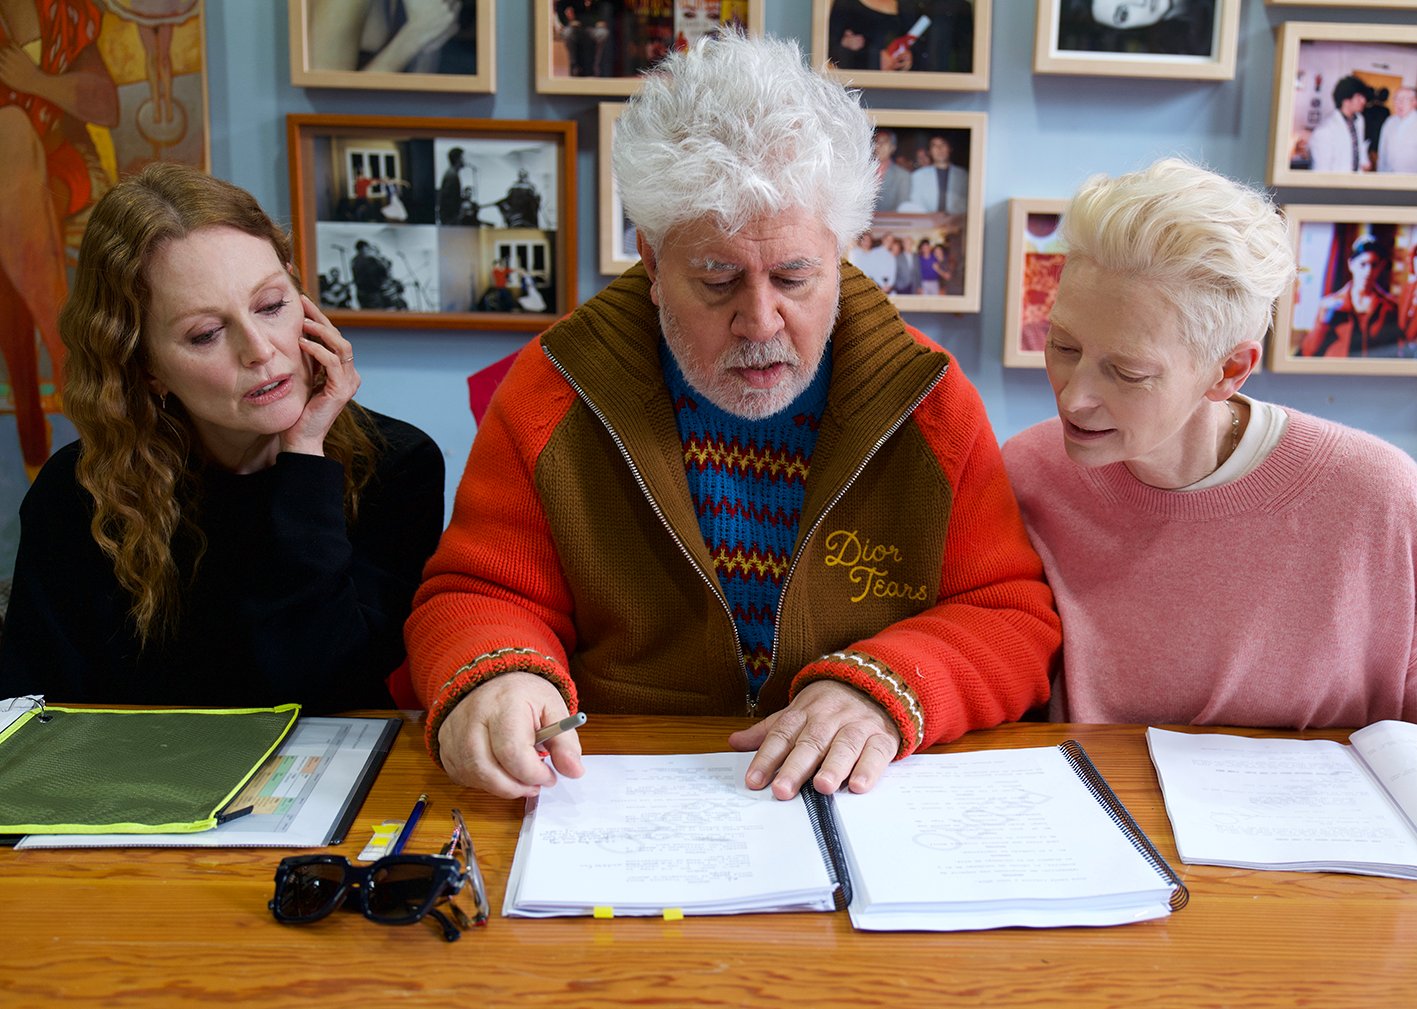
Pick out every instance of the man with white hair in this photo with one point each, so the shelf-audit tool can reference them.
(1397, 141)
(734, 482)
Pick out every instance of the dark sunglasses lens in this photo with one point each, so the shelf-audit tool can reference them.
(310, 891)
(400, 892)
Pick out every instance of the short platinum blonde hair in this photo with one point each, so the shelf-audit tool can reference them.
(736, 128)
(1215, 249)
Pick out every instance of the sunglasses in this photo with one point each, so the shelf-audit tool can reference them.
(395, 890)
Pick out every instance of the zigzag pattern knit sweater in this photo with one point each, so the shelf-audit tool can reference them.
(747, 478)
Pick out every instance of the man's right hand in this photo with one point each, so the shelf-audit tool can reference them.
(487, 740)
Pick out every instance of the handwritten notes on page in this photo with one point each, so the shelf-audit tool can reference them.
(641, 835)
(1300, 804)
(990, 839)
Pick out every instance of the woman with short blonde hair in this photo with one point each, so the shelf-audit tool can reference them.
(1216, 559)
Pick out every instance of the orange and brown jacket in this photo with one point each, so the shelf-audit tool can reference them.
(574, 549)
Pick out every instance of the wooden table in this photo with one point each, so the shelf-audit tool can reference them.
(174, 927)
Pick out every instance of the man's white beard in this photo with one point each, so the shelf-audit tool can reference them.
(727, 391)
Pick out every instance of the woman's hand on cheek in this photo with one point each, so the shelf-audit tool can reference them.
(333, 382)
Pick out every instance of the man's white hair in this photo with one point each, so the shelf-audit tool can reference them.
(736, 128)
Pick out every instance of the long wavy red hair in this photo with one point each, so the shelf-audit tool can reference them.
(136, 458)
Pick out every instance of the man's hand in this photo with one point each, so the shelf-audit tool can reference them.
(487, 740)
(831, 733)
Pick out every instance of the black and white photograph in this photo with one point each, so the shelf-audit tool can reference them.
(435, 222)
(1193, 39)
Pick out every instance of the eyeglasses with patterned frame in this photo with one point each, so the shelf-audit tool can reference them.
(394, 890)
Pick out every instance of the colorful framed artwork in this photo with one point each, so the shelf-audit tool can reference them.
(585, 47)
(937, 45)
(926, 237)
(617, 234)
(1184, 39)
(1036, 256)
(435, 223)
(1345, 108)
(115, 87)
(1354, 309)
(383, 46)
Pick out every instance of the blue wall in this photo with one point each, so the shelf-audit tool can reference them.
(1046, 133)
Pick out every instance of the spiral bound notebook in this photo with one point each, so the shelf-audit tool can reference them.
(988, 839)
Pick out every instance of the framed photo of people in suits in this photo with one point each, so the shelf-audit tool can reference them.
(1183, 39)
(1345, 106)
(1354, 309)
(927, 234)
(435, 223)
(1036, 256)
(393, 45)
(599, 47)
(936, 45)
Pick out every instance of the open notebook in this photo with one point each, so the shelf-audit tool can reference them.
(988, 839)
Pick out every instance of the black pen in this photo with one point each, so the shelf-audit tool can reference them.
(556, 728)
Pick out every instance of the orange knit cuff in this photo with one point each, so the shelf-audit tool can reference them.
(486, 667)
(874, 679)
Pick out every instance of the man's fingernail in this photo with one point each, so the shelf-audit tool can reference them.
(755, 779)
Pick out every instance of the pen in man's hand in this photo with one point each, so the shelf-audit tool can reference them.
(556, 728)
(408, 825)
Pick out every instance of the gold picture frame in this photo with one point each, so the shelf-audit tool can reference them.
(909, 210)
(325, 50)
(387, 214)
(965, 55)
(1036, 255)
(1323, 328)
(1311, 58)
(1082, 46)
(608, 58)
(617, 239)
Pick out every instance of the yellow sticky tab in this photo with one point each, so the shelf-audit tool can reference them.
(376, 846)
(673, 914)
(603, 912)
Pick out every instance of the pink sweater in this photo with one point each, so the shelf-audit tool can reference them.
(1285, 598)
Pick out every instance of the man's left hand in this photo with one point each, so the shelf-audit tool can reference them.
(831, 733)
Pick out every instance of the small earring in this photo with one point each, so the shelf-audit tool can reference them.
(162, 402)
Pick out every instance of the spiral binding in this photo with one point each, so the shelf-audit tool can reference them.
(823, 817)
(1102, 792)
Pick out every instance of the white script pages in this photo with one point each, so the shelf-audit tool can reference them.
(645, 835)
(998, 838)
(1300, 804)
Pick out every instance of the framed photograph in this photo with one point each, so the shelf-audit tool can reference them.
(1036, 256)
(617, 234)
(1395, 5)
(1344, 106)
(1354, 310)
(382, 47)
(588, 47)
(926, 238)
(925, 45)
(435, 223)
(1184, 39)
(143, 98)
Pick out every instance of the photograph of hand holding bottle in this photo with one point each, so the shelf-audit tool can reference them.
(932, 36)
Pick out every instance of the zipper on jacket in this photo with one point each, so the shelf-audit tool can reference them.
(797, 555)
(678, 540)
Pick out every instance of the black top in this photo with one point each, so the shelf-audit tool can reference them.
(287, 605)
